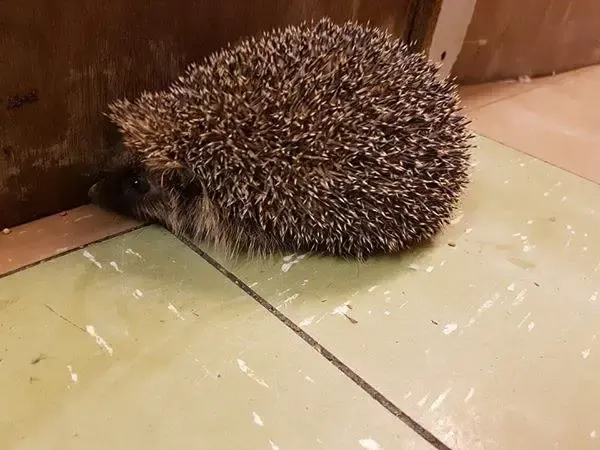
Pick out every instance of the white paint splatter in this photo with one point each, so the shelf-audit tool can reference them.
(529, 222)
(387, 313)
(288, 300)
(457, 219)
(138, 294)
(468, 230)
(341, 310)
(175, 311)
(450, 328)
(372, 288)
(443, 263)
(369, 444)
(306, 322)
(522, 322)
(309, 379)
(485, 305)
(417, 267)
(130, 251)
(423, 400)
(250, 373)
(115, 266)
(531, 326)
(386, 293)
(520, 297)
(99, 340)
(594, 297)
(438, 401)
(585, 353)
(273, 445)
(593, 434)
(92, 259)
(257, 419)
(291, 260)
(429, 269)
(407, 395)
(511, 287)
(253, 284)
(527, 248)
(488, 303)
(87, 216)
(469, 395)
(74, 376)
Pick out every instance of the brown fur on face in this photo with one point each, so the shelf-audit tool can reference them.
(133, 192)
(171, 199)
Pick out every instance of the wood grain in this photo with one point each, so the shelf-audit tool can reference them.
(513, 38)
(63, 62)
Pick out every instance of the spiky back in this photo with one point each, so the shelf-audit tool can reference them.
(323, 137)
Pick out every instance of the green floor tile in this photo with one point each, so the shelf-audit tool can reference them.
(138, 343)
(489, 336)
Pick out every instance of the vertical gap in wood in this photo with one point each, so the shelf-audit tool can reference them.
(424, 15)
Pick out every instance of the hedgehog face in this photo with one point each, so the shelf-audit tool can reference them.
(133, 192)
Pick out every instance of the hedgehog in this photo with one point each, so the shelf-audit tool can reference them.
(322, 138)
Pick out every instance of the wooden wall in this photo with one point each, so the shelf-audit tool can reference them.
(513, 38)
(62, 62)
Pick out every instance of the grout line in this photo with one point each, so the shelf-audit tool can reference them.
(498, 100)
(71, 250)
(357, 379)
(535, 157)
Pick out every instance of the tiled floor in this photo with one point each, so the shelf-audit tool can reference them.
(487, 339)
(556, 119)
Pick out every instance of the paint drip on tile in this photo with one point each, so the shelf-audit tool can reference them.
(175, 311)
(250, 373)
(290, 260)
(469, 395)
(306, 322)
(73, 375)
(115, 266)
(257, 419)
(99, 339)
(439, 400)
(450, 328)
(92, 259)
(130, 251)
(369, 444)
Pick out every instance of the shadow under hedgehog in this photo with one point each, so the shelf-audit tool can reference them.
(322, 138)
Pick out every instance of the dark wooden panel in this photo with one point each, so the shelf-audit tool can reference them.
(512, 38)
(62, 62)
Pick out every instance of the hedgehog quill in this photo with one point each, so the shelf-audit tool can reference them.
(321, 138)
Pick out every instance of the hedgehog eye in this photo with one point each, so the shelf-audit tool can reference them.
(140, 185)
